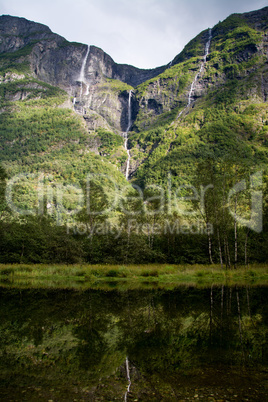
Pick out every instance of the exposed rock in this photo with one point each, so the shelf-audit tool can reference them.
(16, 33)
(58, 62)
(103, 102)
(10, 77)
(94, 120)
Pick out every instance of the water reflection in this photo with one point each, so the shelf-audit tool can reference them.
(63, 345)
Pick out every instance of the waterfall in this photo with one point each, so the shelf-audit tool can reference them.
(129, 111)
(190, 95)
(128, 158)
(190, 99)
(126, 133)
(128, 378)
(208, 45)
(82, 77)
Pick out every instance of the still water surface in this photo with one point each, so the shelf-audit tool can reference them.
(137, 345)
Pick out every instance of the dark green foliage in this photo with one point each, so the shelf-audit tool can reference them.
(193, 49)
(17, 60)
(3, 178)
(32, 87)
(112, 273)
(219, 140)
(37, 240)
(109, 140)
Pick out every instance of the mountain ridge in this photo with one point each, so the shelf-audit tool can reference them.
(58, 62)
(29, 28)
(101, 96)
(200, 125)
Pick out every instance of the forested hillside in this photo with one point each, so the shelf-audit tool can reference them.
(194, 134)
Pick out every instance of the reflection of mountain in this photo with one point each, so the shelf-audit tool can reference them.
(61, 344)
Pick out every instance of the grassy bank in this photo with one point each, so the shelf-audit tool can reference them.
(129, 276)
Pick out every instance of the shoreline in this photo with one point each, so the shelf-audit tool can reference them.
(104, 276)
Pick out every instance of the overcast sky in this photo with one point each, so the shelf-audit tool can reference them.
(144, 33)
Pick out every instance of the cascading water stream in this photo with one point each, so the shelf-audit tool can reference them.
(208, 45)
(82, 77)
(190, 95)
(190, 98)
(126, 133)
(128, 378)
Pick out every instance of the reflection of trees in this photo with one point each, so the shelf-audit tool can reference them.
(162, 332)
(204, 326)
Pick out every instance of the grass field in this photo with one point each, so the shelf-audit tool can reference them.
(128, 276)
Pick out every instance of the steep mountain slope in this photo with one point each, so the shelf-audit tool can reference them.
(40, 129)
(231, 91)
(195, 128)
(32, 47)
(236, 63)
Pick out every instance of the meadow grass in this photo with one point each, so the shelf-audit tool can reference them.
(164, 275)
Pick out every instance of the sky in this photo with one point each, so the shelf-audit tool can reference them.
(143, 33)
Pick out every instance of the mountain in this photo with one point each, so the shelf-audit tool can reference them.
(237, 51)
(54, 60)
(231, 92)
(67, 110)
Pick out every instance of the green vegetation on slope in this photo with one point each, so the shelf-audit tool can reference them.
(185, 160)
(41, 136)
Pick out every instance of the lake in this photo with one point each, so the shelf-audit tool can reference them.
(186, 344)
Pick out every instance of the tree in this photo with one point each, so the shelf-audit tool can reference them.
(3, 204)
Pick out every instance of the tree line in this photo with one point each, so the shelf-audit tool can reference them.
(146, 231)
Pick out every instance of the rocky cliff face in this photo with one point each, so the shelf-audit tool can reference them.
(58, 62)
(16, 33)
(177, 103)
(238, 48)
(235, 67)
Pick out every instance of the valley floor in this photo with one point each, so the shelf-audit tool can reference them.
(84, 276)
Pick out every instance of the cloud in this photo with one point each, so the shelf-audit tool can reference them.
(145, 33)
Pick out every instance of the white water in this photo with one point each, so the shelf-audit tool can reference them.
(190, 98)
(208, 45)
(128, 378)
(129, 111)
(126, 134)
(190, 95)
(82, 77)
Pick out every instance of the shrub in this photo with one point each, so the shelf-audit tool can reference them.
(112, 273)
